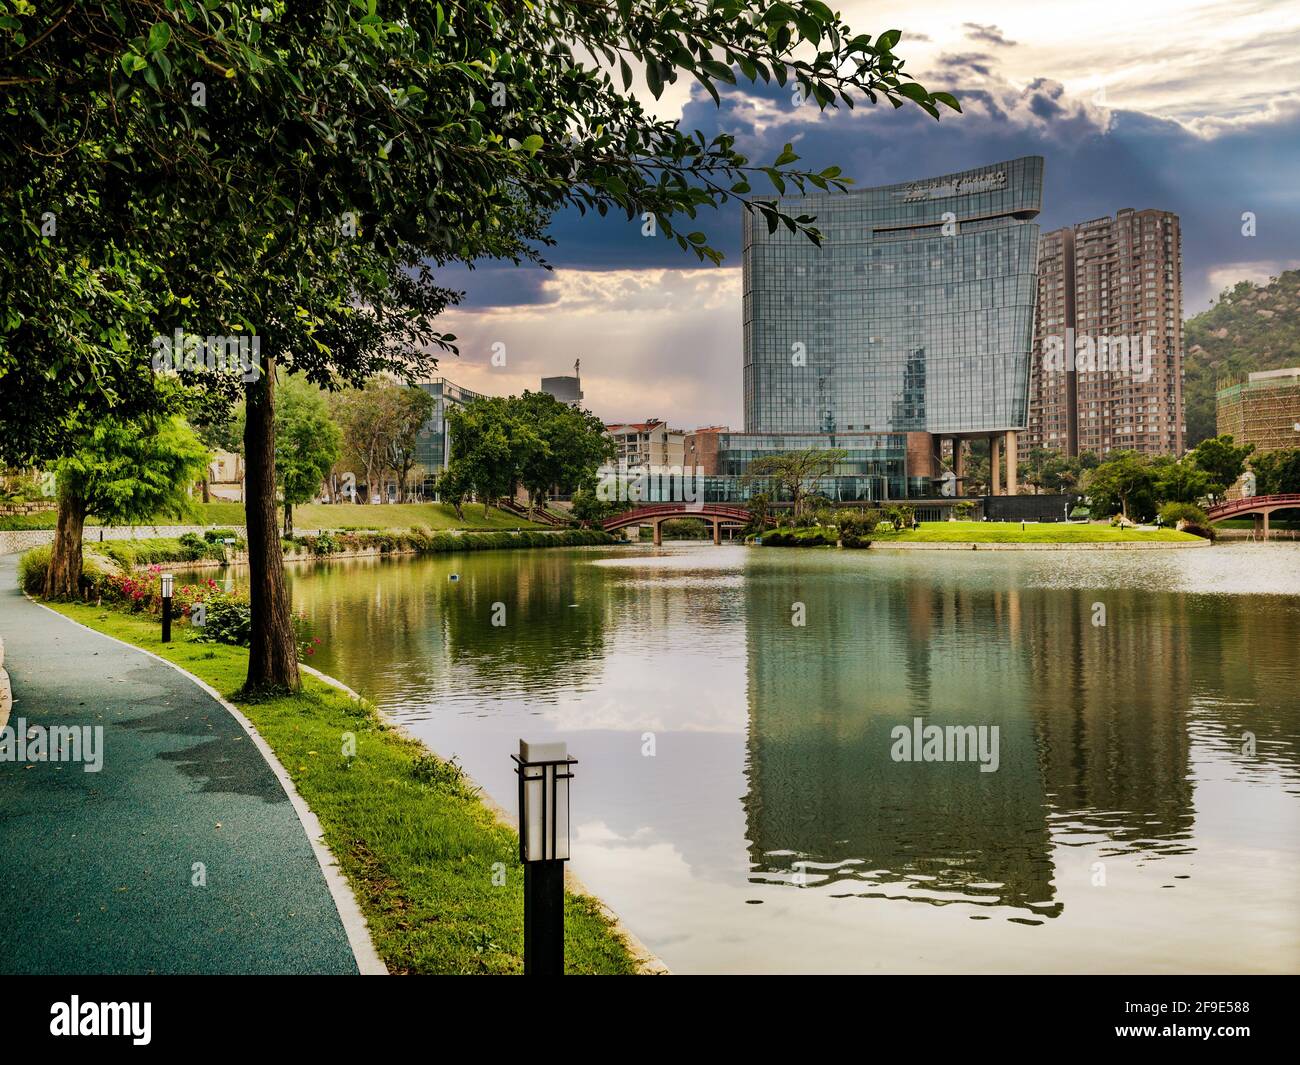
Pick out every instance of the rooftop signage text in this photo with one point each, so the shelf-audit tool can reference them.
(935, 190)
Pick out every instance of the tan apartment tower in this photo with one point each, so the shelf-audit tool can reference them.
(1107, 372)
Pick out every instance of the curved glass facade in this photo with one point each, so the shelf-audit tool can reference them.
(915, 314)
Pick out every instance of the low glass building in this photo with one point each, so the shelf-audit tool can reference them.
(433, 442)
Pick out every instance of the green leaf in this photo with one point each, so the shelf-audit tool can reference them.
(913, 91)
(159, 36)
(947, 99)
(654, 77)
(532, 143)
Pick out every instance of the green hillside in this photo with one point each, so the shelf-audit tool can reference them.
(1250, 328)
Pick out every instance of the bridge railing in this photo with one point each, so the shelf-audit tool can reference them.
(1249, 503)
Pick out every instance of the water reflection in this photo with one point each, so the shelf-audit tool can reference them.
(1120, 743)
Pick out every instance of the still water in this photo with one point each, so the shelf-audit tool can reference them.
(736, 800)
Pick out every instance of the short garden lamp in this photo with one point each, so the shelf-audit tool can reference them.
(166, 608)
(544, 771)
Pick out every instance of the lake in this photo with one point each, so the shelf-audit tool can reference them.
(735, 712)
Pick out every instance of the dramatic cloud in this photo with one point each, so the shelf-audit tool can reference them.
(660, 336)
(989, 34)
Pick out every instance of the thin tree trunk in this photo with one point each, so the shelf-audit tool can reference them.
(63, 576)
(273, 651)
(207, 497)
(288, 520)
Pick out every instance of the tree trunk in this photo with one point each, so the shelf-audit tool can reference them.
(207, 497)
(288, 520)
(63, 577)
(273, 651)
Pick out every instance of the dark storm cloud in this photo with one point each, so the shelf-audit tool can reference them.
(1097, 161)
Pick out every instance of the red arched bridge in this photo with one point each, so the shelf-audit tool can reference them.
(719, 514)
(1260, 506)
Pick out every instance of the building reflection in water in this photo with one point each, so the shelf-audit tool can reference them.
(1093, 721)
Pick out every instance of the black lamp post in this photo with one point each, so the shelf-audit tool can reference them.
(544, 774)
(166, 608)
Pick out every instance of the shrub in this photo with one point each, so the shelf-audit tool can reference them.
(95, 570)
(1172, 513)
(1206, 532)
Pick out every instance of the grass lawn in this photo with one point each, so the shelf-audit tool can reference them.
(998, 532)
(437, 516)
(414, 840)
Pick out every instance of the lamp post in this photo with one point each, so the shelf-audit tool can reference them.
(544, 774)
(167, 608)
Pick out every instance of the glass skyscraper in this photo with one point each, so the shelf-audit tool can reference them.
(915, 315)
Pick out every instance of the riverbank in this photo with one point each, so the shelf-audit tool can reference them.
(436, 875)
(436, 516)
(131, 554)
(957, 535)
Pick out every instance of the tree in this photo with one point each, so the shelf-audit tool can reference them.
(307, 444)
(412, 407)
(1123, 483)
(574, 444)
(1179, 481)
(796, 471)
(287, 172)
(453, 488)
(1276, 472)
(491, 445)
(1222, 460)
(123, 471)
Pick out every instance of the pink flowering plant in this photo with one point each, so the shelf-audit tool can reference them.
(226, 615)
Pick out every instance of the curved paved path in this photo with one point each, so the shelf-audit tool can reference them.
(97, 869)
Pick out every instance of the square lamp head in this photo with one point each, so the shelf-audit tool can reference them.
(167, 585)
(544, 771)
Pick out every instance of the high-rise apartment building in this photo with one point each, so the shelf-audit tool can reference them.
(1108, 338)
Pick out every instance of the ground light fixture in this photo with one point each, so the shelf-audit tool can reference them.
(544, 771)
(167, 608)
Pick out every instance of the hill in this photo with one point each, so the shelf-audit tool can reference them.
(1251, 327)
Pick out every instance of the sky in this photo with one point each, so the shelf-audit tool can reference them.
(1173, 104)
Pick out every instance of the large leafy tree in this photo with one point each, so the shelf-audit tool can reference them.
(121, 472)
(574, 445)
(297, 171)
(796, 472)
(491, 445)
(1222, 460)
(1180, 480)
(1277, 472)
(1124, 483)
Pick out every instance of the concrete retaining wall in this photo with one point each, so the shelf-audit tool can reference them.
(25, 539)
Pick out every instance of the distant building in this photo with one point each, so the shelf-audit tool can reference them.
(1263, 410)
(700, 449)
(565, 389)
(648, 443)
(433, 442)
(1108, 338)
(226, 476)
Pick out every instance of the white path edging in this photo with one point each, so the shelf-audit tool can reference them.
(354, 921)
(647, 963)
(6, 690)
